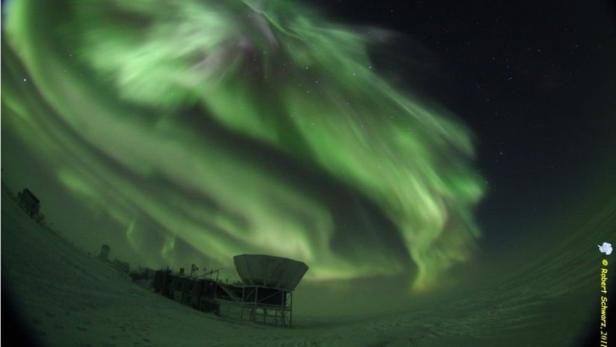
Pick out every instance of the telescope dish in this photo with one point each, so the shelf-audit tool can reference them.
(269, 271)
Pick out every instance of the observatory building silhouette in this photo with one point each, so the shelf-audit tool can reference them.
(264, 295)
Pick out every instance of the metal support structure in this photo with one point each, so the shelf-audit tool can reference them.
(260, 304)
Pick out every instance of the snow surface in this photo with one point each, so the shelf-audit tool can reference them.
(69, 298)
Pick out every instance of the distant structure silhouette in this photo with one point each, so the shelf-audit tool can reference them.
(104, 253)
(29, 202)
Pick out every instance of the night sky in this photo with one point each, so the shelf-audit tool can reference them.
(535, 81)
(510, 104)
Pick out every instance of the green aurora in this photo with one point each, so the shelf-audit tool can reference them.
(244, 128)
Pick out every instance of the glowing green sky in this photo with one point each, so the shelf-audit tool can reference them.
(240, 129)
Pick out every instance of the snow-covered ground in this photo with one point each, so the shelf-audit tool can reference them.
(71, 299)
